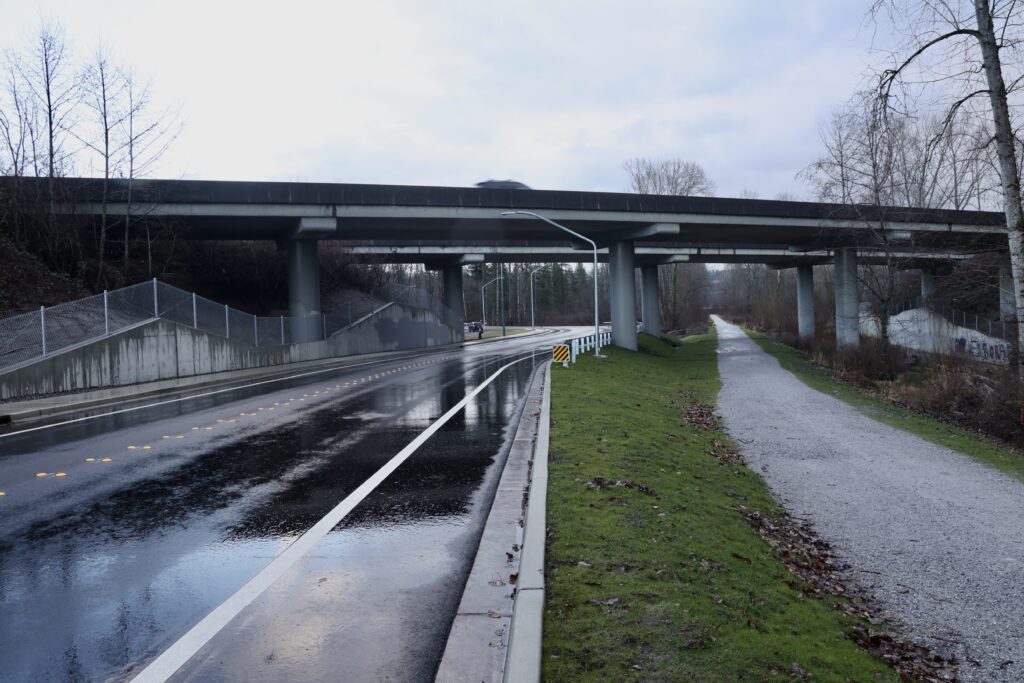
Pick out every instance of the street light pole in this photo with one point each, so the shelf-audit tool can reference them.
(597, 323)
(483, 312)
(533, 320)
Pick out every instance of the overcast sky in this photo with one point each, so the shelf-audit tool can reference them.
(556, 94)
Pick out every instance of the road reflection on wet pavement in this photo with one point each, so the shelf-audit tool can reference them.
(161, 515)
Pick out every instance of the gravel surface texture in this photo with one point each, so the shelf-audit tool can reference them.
(937, 538)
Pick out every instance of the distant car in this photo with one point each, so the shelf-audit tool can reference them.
(503, 185)
(475, 327)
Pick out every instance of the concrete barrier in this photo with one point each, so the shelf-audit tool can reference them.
(162, 350)
(920, 329)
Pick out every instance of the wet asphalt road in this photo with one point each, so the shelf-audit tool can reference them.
(119, 533)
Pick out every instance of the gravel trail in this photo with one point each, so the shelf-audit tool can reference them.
(937, 538)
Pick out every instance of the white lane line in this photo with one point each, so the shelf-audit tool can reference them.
(174, 657)
(189, 398)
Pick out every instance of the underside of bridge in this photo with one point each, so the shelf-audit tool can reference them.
(446, 228)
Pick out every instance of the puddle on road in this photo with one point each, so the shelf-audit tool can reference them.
(116, 579)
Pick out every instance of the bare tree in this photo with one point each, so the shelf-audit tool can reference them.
(47, 73)
(671, 176)
(147, 136)
(103, 91)
(962, 44)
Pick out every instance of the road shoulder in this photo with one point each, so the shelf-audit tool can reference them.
(493, 612)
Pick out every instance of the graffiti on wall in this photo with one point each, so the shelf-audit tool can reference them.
(983, 350)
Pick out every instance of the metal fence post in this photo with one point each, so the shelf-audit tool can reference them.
(156, 309)
(255, 331)
(282, 330)
(325, 325)
(106, 315)
(227, 323)
(42, 327)
(195, 314)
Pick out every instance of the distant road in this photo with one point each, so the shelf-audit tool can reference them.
(118, 534)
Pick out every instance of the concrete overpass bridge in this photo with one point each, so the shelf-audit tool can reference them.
(446, 228)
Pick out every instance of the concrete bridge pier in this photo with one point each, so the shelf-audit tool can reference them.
(451, 288)
(622, 292)
(805, 302)
(927, 285)
(847, 299)
(651, 313)
(1007, 301)
(304, 289)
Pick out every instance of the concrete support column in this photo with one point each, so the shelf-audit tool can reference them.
(847, 300)
(927, 285)
(451, 287)
(622, 292)
(805, 302)
(1007, 301)
(651, 313)
(304, 290)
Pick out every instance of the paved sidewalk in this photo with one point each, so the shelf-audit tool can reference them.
(935, 536)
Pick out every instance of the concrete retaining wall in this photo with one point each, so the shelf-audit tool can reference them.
(161, 350)
(922, 330)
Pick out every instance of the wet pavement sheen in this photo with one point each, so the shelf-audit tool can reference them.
(120, 533)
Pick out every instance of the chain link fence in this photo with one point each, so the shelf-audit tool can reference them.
(36, 334)
(1000, 329)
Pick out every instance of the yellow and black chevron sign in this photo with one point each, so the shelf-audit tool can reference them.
(561, 353)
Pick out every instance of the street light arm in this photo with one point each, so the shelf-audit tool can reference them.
(589, 241)
(593, 244)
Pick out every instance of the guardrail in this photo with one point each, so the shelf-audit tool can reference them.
(581, 344)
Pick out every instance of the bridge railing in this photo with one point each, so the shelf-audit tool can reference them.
(36, 334)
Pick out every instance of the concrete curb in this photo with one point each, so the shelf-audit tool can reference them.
(523, 661)
(480, 637)
(20, 411)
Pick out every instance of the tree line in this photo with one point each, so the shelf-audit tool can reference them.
(65, 113)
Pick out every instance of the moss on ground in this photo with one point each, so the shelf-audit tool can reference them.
(1005, 459)
(652, 573)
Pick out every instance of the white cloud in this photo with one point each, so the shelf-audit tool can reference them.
(555, 94)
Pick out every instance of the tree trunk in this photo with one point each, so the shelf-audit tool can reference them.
(1007, 156)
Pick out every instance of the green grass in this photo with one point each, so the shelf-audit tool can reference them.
(688, 590)
(1004, 459)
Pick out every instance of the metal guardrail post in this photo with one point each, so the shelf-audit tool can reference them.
(227, 323)
(42, 327)
(255, 331)
(282, 330)
(325, 325)
(195, 312)
(106, 315)
(156, 308)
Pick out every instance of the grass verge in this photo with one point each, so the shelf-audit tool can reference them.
(1006, 460)
(496, 332)
(652, 573)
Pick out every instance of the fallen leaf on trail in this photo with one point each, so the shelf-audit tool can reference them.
(703, 415)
